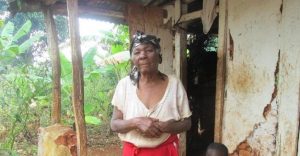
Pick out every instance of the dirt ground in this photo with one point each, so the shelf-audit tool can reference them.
(103, 142)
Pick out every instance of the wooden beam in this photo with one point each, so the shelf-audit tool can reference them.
(221, 69)
(180, 68)
(84, 11)
(288, 81)
(190, 16)
(92, 11)
(187, 1)
(48, 2)
(177, 12)
(55, 60)
(78, 86)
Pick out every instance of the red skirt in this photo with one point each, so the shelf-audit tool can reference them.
(168, 148)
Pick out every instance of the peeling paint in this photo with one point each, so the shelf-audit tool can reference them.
(251, 104)
(267, 110)
(244, 149)
(262, 140)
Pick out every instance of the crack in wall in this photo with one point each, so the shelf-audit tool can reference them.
(262, 140)
(231, 47)
(281, 6)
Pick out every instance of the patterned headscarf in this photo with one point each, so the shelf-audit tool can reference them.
(141, 38)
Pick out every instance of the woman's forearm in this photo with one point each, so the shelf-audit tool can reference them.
(175, 127)
(122, 126)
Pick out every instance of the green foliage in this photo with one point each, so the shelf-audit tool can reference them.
(9, 47)
(92, 120)
(20, 84)
(25, 94)
(211, 45)
(3, 5)
(38, 19)
(100, 81)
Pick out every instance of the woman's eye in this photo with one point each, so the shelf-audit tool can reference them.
(149, 50)
(136, 52)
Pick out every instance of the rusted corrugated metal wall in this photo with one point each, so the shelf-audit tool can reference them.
(260, 113)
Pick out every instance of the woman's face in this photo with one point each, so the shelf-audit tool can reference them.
(145, 58)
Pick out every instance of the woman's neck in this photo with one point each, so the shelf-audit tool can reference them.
(150, 77)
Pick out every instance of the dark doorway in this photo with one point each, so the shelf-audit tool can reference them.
(201, 86)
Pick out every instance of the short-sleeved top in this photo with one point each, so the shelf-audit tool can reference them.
(173, 105)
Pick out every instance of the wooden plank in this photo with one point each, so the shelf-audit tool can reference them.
(150, 21)
(221, 69)
(55, 60)
(84, 11)
(190, 16)
(91, 11)
(180, 67)
(78, 91)
(289, 80)
(177, 12)
(49, 2)
(298, 150)
(187, 1)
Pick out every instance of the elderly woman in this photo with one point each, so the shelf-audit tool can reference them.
(150, 107)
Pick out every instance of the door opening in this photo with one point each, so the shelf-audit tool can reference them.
(201, 87)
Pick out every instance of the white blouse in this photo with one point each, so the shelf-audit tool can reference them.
(173, 105)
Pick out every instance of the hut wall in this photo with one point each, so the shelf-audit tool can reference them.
(262, 82)
(150, 21)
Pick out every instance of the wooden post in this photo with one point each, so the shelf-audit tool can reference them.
(288, 96)
(180, 61)
(54, 53)
(221, 70)
(78, 92)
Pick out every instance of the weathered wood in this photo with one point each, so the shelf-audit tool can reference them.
(55, 60)
(56, 140)
(84, 11)
(150, 21)
(78, 86)
(49, 2)
(190, 16)
(187, 1)
(180, 56)
(89, 11)
(177, 12)
(209, 14)
(289, 80)
(180, 70)
(221, 70)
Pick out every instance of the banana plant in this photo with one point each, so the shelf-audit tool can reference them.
(9, 46)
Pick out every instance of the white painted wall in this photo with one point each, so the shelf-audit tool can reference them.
(265, 40)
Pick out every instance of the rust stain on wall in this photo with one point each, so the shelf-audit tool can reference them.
(242, 79)
(244, 149)
(267, 110)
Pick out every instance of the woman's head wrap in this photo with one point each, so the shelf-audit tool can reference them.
(141, 38)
